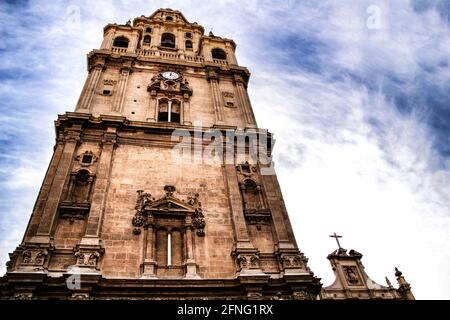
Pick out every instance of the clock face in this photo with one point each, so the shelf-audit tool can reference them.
(171, 75)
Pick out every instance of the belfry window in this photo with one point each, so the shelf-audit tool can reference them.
(169, 110)
(121, 42)
(219, 54)
(188, 44)
(168, 40)
(147, 39)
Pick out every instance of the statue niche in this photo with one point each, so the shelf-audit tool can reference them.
(253, 199)
(76, 201)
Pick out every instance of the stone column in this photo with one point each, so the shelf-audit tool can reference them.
(156, 37)
(215, 93)
(151, 112)
(191, 266)
(230, 53)
(90, 86)
(149, 265)
(186, 110)
(100, 189)
(54, 195)
(121, 88)
(134, 41)
(180, 40)
(108, 40)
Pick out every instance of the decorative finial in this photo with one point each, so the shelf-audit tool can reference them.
(388, 282)
(398, 273)
(169, 190)
(337, 239)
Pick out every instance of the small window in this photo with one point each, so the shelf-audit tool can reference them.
(168, 40)
(87, 159)
(148, 30)
(219, 54)
(230, 104)
(121, 42)
(147, 39)
(189, 44)
(169, 18)
(106, 92)
(188, 35)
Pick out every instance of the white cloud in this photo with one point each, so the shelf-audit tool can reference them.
(350, 162)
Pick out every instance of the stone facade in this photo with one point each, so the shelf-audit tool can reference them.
(118, 218)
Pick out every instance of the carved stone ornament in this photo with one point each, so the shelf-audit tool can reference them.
(351, 276)
(247, 261)
(87, 258)
(178, 86)
(146, 205)
(87, 158)
(303, 295)
(293, 262)
(109, 82)
(34, 257)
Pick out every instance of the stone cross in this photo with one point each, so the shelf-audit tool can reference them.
(337, 239)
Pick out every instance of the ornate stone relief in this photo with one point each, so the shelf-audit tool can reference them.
(169, 87)
(88, 256)
(351, 275)
(34, 257)
(293, 262)
(147, 206)
(247, 260)
(228, 99)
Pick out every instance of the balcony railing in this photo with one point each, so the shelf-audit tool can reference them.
(168, 55)
(119, 50)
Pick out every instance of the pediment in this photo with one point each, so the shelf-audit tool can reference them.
(169, 204)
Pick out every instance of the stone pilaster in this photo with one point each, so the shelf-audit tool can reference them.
(100, 189)
(54, 195)
(108, 39)
(244, 102)
(90, 86)
(121, 89)
(215, 93)
(186, 110)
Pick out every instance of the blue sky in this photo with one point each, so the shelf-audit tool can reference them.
(356, 93)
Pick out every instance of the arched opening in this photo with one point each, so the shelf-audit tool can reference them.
(121, 42)
(169, 111)
(188, 44)
(147, 39)
(219, 54)
(168, 40)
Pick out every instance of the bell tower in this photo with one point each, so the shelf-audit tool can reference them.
(121, 214)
